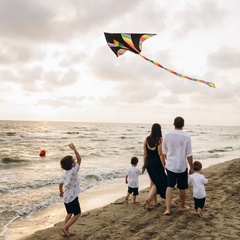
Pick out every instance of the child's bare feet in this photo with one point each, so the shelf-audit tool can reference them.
(199, 213)
(65, 233)
(126, 200)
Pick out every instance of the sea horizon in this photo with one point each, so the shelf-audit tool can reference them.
(109, 122)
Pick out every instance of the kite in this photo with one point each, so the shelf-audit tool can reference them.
(122, 42)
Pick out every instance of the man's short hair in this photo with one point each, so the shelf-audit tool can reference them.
(179, 122)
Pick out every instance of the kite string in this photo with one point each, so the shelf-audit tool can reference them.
(210, 84)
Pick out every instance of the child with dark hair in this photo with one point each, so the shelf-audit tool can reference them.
(132, 179)
(70, 184)
(198, 180)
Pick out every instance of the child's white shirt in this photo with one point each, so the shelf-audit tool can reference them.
(70, 180)
(133, 173)
(198, 180)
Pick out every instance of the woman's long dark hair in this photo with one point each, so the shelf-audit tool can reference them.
(156, 134)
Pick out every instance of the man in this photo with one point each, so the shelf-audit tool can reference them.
(177, 151)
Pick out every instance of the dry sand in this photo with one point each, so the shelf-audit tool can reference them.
(221, 215)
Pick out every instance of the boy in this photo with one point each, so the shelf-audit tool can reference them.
(198, 181)
(132, 179)
(70, 183)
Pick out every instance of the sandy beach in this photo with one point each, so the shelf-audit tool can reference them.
(221, 215)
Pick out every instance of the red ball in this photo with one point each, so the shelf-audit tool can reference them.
(42, 153)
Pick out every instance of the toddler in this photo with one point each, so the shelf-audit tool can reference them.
(132, 179)
(198, 181)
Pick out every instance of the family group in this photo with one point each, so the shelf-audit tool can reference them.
(166, 159)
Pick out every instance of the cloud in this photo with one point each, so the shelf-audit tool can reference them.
(226, 58)
(194, 16)
(25, 19)
(46, 21)
(69, 102)
(13, 52)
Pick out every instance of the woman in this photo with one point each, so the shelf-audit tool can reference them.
(153, 162)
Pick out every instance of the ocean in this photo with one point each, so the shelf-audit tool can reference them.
(29, 183)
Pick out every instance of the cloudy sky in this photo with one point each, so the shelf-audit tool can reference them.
(55, 64)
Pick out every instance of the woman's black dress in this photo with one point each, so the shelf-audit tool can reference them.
(156, 171)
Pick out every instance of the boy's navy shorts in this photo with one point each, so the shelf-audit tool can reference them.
(199, 203)
(133, 191)
(73, 207)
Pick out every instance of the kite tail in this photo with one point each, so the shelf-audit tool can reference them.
(210, 84)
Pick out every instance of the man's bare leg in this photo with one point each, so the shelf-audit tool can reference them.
(169, 192)
(182, 196)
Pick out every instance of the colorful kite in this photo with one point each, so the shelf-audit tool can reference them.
(122, 42)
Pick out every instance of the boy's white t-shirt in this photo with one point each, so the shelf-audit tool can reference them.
(198, 181)
(133, 173)
(71, 183)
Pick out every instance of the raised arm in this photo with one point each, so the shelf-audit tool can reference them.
(79, 159)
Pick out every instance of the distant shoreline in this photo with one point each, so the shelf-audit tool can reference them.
(141, 123)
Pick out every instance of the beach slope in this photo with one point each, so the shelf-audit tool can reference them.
(221, 215)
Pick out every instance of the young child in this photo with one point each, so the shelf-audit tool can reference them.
(132, 179)
(70, 184)
(198, 180)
